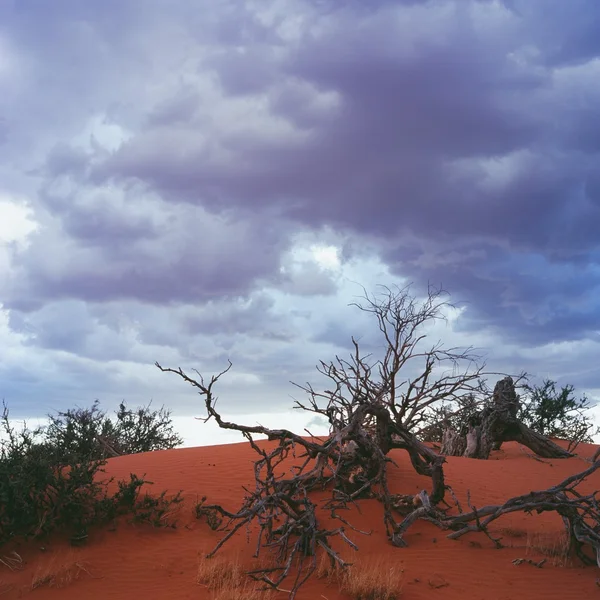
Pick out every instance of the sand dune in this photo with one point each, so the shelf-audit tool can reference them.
(138, 562)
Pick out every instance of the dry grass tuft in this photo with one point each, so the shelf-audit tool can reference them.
(227, 580)
(332, 574)
(553, 545)
(217, 572)
(365, 580)
(12, 560)
(59, 576)
(375, 583)
(244, 593)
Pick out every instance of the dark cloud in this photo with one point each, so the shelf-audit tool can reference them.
(194, 258)
(173, 154)
(443, 124)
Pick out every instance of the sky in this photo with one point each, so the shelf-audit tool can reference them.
(192, 181)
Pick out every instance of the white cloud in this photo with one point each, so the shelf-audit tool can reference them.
(16, 221)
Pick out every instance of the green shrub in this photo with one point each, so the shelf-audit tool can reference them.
(45, 488)
(557, 413)
(552, 412)
(90, 433)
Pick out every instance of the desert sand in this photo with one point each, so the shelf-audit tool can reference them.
(138, 562)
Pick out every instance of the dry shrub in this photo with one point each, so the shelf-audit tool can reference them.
(553, 545)
(365, 579)
(59, 576)
(227, 579)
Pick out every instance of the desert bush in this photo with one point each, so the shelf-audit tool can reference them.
(545, 409)
(44, 489)
(557, 413)
(91, 433)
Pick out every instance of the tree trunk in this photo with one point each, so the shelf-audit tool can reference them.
(498, 423)
(539, 443)
(453, 444)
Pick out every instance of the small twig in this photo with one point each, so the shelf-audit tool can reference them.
(458, 506)
(539, 564)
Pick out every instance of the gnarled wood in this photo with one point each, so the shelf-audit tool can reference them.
(580, 514)
(371, 408)
(495, 424)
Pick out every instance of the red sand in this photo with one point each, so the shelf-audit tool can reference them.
(139, 562)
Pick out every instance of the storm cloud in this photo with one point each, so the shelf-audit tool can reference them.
(207, 180)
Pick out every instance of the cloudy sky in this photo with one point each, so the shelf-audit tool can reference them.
(190, 181)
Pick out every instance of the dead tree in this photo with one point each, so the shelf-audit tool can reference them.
(279, 504)
(372, 407)
(580, 514)
(495, 424)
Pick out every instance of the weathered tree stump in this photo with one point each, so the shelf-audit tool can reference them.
(495, 424)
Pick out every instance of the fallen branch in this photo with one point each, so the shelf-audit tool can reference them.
(581, 514)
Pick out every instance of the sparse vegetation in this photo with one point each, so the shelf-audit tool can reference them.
(544, 409)
(373, 583)
(243, 593)
(228, 580)
(45, 488)
(89, 433)
(554, 546)
(53, 478)
(60, 575)
(558, 413)
(372, 407)
(364, 579)
(218, 572)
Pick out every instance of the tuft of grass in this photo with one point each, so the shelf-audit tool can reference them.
(325, 570)
(12, 560)
(375, 583)
(365, 580)
(217, 572)
(555, 546)
(59, 576)
(244, 593)
(228, 580)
